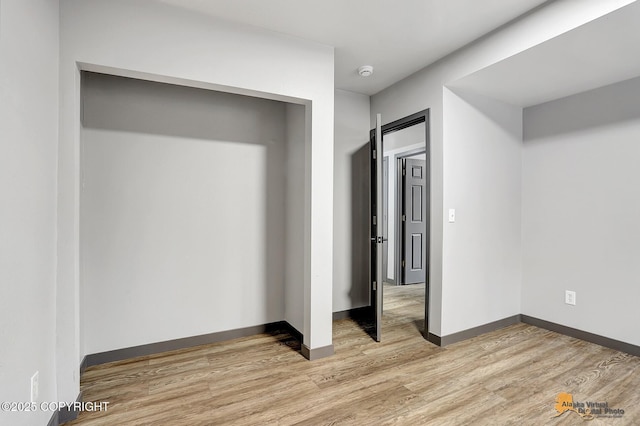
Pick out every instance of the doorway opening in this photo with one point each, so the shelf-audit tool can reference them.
(400, 197)
(404, 251)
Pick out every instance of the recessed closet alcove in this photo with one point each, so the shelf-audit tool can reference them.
(191, 212)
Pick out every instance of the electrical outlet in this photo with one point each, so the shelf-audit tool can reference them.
(570, 297)
(34, 387)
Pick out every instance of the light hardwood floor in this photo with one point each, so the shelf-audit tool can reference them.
(508, 377)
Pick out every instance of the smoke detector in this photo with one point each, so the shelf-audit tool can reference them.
(365, 70)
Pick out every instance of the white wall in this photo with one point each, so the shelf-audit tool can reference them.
(424, 89)
(157, 42)
(581, 204)
(182, 212)
(28, 150)
(482, 249)
(350, 268)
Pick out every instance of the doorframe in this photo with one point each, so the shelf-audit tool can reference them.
(385, 221)
(402, 123)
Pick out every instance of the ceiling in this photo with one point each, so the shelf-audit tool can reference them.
(601, 52)
(397, 38)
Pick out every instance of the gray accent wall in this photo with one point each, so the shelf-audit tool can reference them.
(581, 211)
(28, 166)
(183, 212)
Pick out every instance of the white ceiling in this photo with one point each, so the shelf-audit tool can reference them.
(599, 53)
(396, 37)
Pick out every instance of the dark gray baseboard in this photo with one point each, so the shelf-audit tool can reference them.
(66, 414)
(317, 353)
(352, 313)
(583, 335)
(472, 332)
(285, 326)
(547, 325)
(436, 340)
(186, 342)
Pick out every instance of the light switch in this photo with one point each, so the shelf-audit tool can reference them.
(452, 215)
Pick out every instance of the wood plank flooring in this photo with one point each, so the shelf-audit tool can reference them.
(507, 377)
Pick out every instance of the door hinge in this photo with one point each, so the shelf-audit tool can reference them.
(375, 286)
(403, 263)
(374, 154)
(404, 217)
(374, 220)
(404, 171)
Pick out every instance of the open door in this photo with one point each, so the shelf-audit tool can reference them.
(376, 227)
